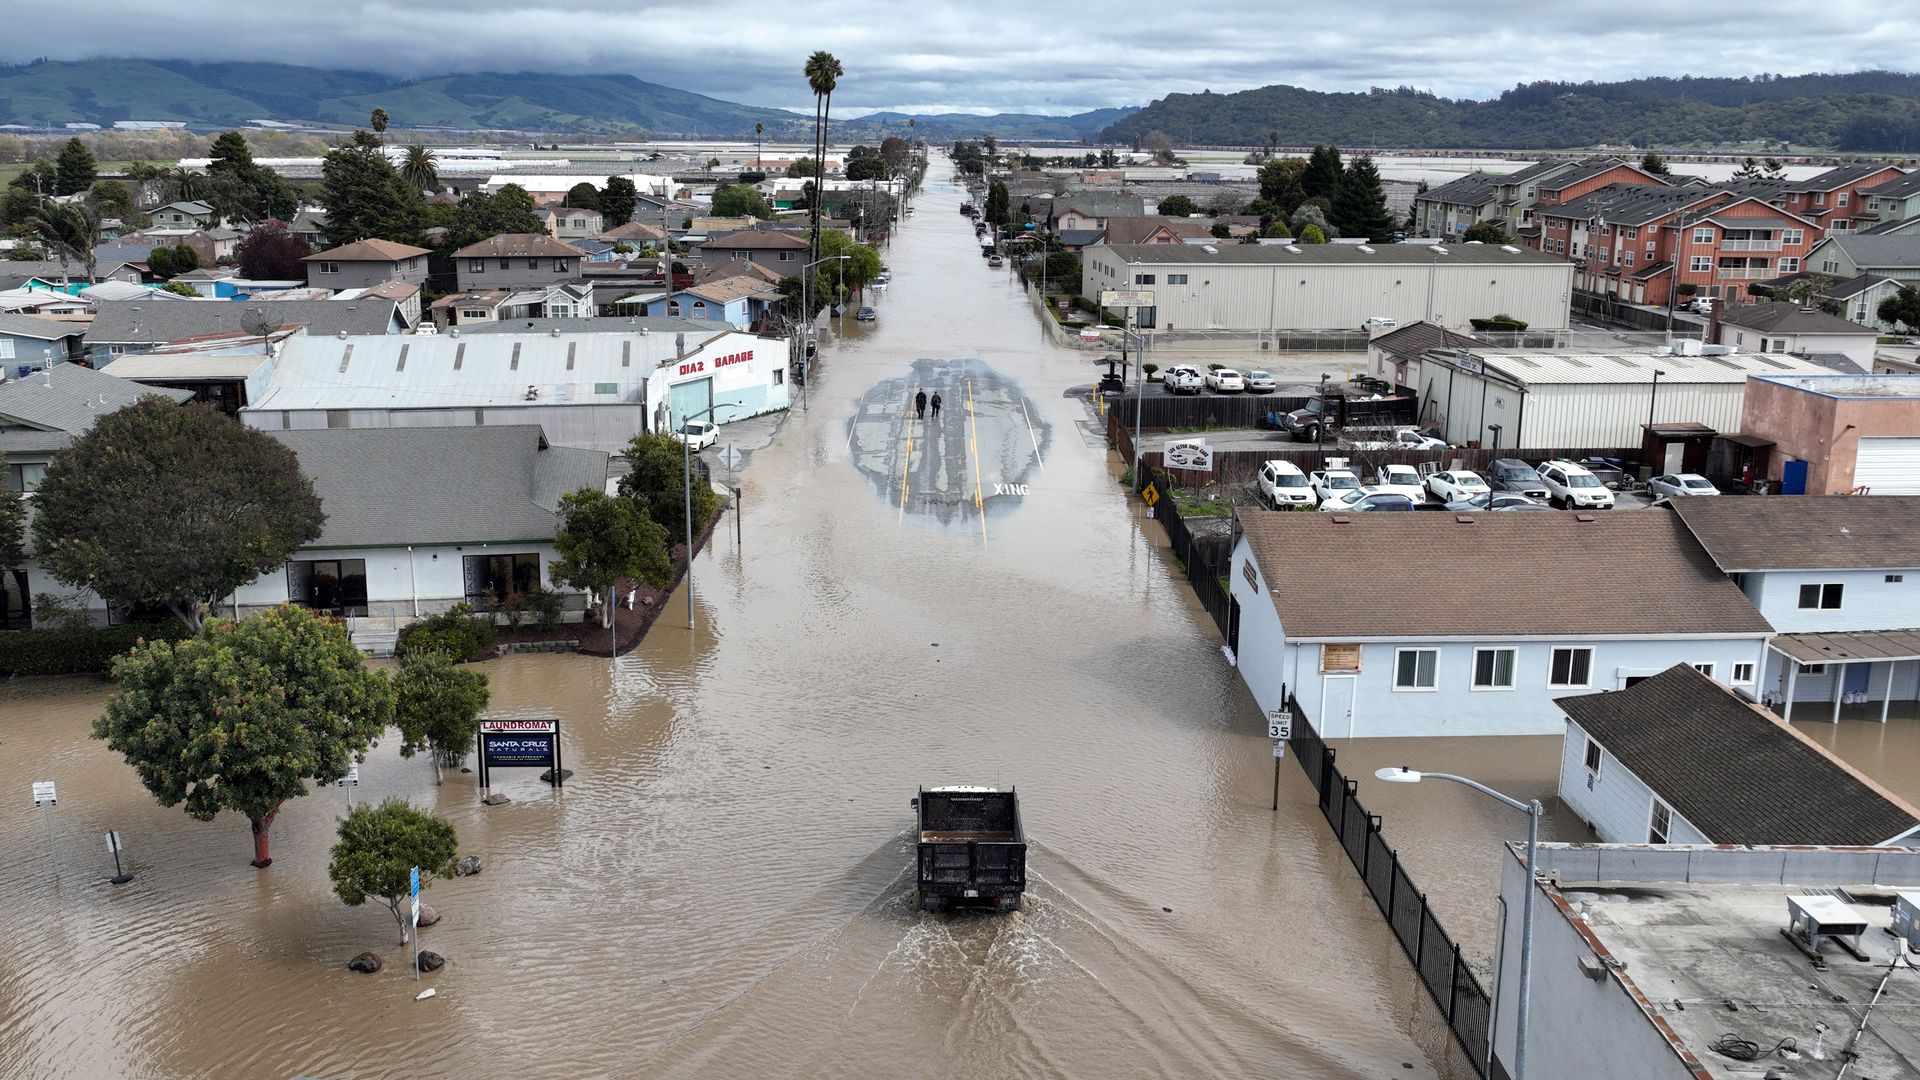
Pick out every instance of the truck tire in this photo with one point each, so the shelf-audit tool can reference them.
(1312, 434)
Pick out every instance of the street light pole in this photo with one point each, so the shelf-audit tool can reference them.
(686, 473)
(1405, 775)
(1653, 397)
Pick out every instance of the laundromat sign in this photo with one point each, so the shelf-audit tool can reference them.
(695, 367)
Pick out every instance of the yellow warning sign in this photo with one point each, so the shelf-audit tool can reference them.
(1150, 494)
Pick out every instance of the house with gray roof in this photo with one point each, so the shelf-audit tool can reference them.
(1508, 198)
(365, 263)
(31, 341)
(1871, 267)
(133, 326)
(187, 214)
(1782, 327)
(421, 519)
(1896, 199)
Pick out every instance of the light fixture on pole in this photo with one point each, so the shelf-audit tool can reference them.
(1653, 397)
(685, 435)
(1405, 775)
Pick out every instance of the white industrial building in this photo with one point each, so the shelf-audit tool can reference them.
(594, 390)
(1539, 398)
(1268, 287)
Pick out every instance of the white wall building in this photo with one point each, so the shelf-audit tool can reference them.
(1266, 287)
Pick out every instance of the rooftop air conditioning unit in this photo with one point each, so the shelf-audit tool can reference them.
(1813, 919)
(1906, 918)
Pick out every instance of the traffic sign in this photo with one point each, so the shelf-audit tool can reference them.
(730, 456)
(1279, 749)
(1279, 724)
(113, 842)
(1150, 494)
(43, 793)
(413, 883)
(352, 777)
(416, 911)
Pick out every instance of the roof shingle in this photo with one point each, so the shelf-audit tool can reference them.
(1806, 532)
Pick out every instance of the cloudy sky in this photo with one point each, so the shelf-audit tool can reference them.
(999, 55)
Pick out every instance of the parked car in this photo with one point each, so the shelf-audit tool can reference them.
(1610, 473)
(1284, 487)
(866, 314)
(1332, 483)
(1225, 381)
(1572, 486)
(1703, 305)
(1362, 500)
(1399, 439)
(1497, 500)
(1378, 322)
(698, 434)
(1182, 379)
(1514, 475)
(1454, 485)
(995, 260)
(1676, 485)
(1401, 480)
(1260, 382)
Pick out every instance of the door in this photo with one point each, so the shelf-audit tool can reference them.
(1856, 678)
(1233, 624)
(1793, 477)
(1336, 706)
(1888, 466)
(690, 399)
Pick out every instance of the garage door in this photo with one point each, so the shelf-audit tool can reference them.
(1888, 466)
(691, 399)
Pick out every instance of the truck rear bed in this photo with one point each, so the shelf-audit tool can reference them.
(972, 851)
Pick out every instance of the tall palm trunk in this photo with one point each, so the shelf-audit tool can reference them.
(820, 172)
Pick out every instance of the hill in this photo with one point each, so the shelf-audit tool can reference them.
(1870, 111)
(946, 127)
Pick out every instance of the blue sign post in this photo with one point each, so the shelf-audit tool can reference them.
(413, 891)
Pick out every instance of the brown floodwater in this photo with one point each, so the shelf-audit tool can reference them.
(722, 889)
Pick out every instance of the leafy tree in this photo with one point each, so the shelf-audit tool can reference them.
(241, 715)
(1221, 230)
(185, 183)
(1487, 232)
(739, 200)
(866, 168)
(997, 212)
(1655, 164)
(617, 201)
(1276, 230)
(22, 253)
(437, 706)
(1280, 184)
(1749, 170)
(605, 538)
(1160, 145)
(895, 152)
(69, 230)
(180, 288)
(480, 215)
(365, 196)
(379, 847)
(654, 480)
(1311, 214)
(1323, 174)
(239, 189)
(801, 168)
(1178, 206)
(582, 195)
(1902, 309)
(113, 199)
(378, 121)
(991, 146)
(13, 526)
(1312, 235)
(271, 253)
(421, 168)
(76, 169)
(174, 505)
(167, 262)
(863, 263)
(230, 153)
(712, 164)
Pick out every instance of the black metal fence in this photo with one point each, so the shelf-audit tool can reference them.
(1454, 987)
(1206, 558)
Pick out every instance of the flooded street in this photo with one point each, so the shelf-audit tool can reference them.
(723, 889)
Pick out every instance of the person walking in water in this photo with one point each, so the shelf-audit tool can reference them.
(935, 402)
(920, 405)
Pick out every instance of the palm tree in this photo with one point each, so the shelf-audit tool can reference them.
(759, 130)
(379, 121)
(68, 229)
(823, 74)
(142, 175)
(187, 184)
(421, 168)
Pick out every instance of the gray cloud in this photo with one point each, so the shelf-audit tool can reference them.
(998, 55)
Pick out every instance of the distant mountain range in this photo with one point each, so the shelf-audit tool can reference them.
(54, 93)
(1869, 111)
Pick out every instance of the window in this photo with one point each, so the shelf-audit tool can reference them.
(1895, 579)
(1743, 674)
(561, 266)
(492, 580)
(1703, 235)
(1813, 669)
(1820, 597)
(1660, 823)
(532, 264)
(1819, 198)
(1339, 658)
(1143, 279)
(1571, 668)
(1704, 669)
(1493, 669)
(329, 267)
(1415, 669)
(476, 266)
(779, 376)
(473, 313)
(1575, 249)
(1593, 759)
(1176, 279)
(1840, 199)
(1629, 258)
(1700, 263)
(338, 586)
(1633, 234)
(1779, 345)
(786, 256)
(506, 263)
(1790, 264)
(1650, 250)
(1791, 237)
(25, 476)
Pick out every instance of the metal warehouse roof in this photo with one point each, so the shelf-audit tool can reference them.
(1330, 254)
(491, 370)
(1541, 368)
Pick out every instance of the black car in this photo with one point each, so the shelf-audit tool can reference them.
(1512, 474)
(1609, 472)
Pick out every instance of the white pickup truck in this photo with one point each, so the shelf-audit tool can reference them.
(1183, 379)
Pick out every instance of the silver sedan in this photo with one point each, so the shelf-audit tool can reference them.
(1680, 485)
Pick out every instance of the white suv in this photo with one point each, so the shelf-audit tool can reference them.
(1284, 487)
(1573, 487)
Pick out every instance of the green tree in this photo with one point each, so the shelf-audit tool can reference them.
(1312, 235)
(173, 505)
(437, 706)
(655, 480)
(365, 196)
(230, 153)
(863, 263)
(238, 189)
(583, 195)
(997, 211)
(1276, 230)
(241, 715)
(76, 169)
(13, 526)
(378, 121)
(739, 200)
(1323, 174)
(421, 168)
(480, 215)
(1280, 184)
(271, 253)
(617, 201)
(172, 261)
(866, 168)
(185, 183)
(823, 73)
(113, 199)
(1902, 309)
(1487, 232)
(605, 538)
(802, 168)
(1311, 213)
(1178, 206)
(69, 230)
(181, 288)
(1654, 164)
(378, 849)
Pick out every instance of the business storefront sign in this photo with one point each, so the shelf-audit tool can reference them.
(520, 744)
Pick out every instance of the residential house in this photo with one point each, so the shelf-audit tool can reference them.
(1156, 229)
(1588, 176)
(636, 233)
(783, 252)
(1655, 962)
(404, 293)
(364, 263)
(32, 341)
(1829, 573)
(1870, 268)
(1831, 434)
(548, 302)
(225, 370)
(742, 300)
(189, 214)
(468, 308)
(1680, 759)
(516, 260)
(1081, 211)
(1835, 200)
(1781, 327)
(41, 300)
(51, 274)
(136, 326)
(1395, 355)
(569, 222)
(1405, 647)
(1894, 199)
(311, 226)
(421, 519)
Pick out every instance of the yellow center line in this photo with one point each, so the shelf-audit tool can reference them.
(906, 464)
(974, 440)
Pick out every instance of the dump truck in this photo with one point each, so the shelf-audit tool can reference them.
(972, 851)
